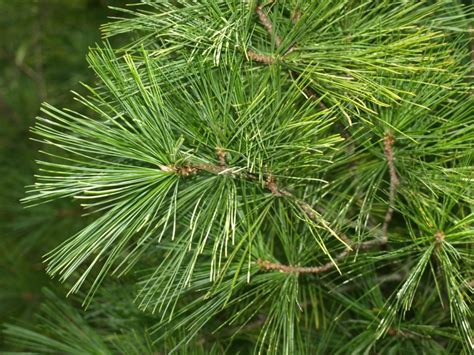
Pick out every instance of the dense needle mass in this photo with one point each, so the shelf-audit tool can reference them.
(287, 177)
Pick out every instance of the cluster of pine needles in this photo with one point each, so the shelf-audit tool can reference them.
(272, 177)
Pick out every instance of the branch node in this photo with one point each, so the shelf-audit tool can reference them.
(295, 16)
(261, 58)
(439, 239)
(272, 186)
(184, 170)
(221, 156)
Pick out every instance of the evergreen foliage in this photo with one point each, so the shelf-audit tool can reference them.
(287, 177)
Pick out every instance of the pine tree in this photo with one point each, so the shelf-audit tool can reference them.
(283, 177)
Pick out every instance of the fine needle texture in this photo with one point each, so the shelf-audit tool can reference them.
(267, 177)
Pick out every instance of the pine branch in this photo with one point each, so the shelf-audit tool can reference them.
(166, 113)
(269, 182)
(267, 23)
(266, 59)
(296, 15)
(389, 141)
(439, 238)
(261, 58)
(289, 269)
(221, 156)
(267, 265)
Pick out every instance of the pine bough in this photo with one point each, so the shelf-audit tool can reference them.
(284, 177)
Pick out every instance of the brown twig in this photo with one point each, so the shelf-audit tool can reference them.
(272, 186)
(316, 269)
(388, 143)
(269, 183)
(190, 169)
(295, 16)
(439, 238)
(221, 156)
(395, 332)
(261, 58)
(267, 23)
(266, 59)
(267, 265)
(183, 170)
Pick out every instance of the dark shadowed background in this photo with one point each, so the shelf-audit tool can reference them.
(43, 44)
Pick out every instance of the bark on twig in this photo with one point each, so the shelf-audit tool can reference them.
(266, 59)
(295, 16)
(389, 141)
(221, 156)
(267, 265)
(267, 23)
(439, 238)
(269, 183)
(261, 58)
